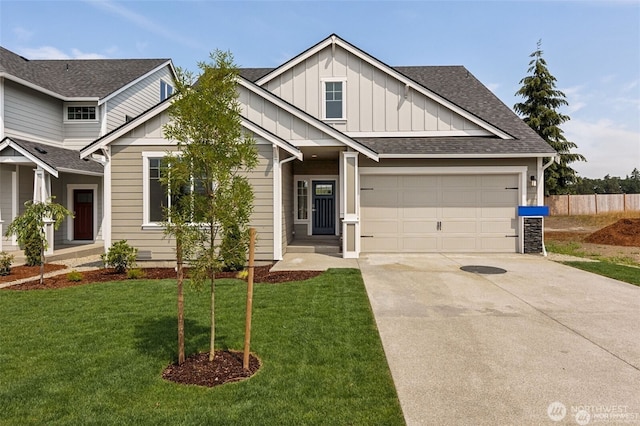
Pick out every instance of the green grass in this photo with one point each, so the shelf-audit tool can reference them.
(94, 354)
(624, 273)
(570, 248)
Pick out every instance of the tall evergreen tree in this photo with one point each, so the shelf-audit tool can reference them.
(540, 111)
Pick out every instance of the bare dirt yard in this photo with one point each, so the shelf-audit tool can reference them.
(614, 236)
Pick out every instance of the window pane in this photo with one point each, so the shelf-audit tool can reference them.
(81, 113)
(157, 196)
(333, 99)
(334, 109)
(324, 189)
(303, 190)
(157, 200)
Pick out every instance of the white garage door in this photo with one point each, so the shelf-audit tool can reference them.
(457, 213)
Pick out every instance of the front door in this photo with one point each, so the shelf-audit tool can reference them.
(83, 214)
(324, 207)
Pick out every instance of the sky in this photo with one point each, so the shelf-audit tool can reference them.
(592, 48)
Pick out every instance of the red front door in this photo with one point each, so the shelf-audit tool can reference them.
(83, 214)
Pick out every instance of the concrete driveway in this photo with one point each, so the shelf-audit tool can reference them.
(522, 347)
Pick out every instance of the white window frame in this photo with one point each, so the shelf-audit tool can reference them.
(323, 89)
(166, 90)
(297, 197)
(89, 120)
(146, 209)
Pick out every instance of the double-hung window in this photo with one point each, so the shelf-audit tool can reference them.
(334, 106)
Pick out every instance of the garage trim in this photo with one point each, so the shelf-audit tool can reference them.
(521, 171)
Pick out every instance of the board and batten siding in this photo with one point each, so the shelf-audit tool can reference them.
(274, 119)
(376, 101)
(136, 99)
(28, 113)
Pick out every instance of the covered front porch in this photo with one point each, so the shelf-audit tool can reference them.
(319, 202)
(36, 172)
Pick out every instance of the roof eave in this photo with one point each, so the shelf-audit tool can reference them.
(137, 80)
(8, 142)
(333, 39)
(318, 124)
(470, 155)
(47, 91)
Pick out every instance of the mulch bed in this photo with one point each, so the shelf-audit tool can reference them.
(225, 368)
(625, 232)
(20, 272)
(261, 275)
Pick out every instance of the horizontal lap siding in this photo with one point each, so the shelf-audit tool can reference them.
(137, 98)
(127, 193)
(27, 112)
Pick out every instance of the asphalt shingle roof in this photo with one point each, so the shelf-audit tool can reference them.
(59, 158)
(453, 145)
(82, 78)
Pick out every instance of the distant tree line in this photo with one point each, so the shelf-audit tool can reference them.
(608, 185)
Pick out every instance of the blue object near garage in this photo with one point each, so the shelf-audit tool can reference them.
(533, 211)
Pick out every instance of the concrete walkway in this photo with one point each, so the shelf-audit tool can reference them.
(465, 348)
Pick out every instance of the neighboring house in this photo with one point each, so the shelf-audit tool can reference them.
(49, 109)
(386, 159)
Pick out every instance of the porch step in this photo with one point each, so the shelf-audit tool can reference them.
(323, 245)
(65, 253)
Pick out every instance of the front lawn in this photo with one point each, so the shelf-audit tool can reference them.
(624, 273)
(94, 354)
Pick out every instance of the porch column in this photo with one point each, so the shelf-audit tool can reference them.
(42, 194)
(350, 202)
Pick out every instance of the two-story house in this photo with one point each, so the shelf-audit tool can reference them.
(383, 158)
(49, 109)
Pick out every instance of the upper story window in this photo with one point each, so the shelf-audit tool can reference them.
(166, 90)
(334, 100)
(81, 113)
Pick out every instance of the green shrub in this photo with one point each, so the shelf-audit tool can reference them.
(6, 260)
(120, 256)
(135, 273)
(233, 249)
(74, 276)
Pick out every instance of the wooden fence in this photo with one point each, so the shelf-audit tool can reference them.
(592, 204)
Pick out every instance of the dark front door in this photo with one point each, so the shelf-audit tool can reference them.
(324, 207)
(83, 214)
